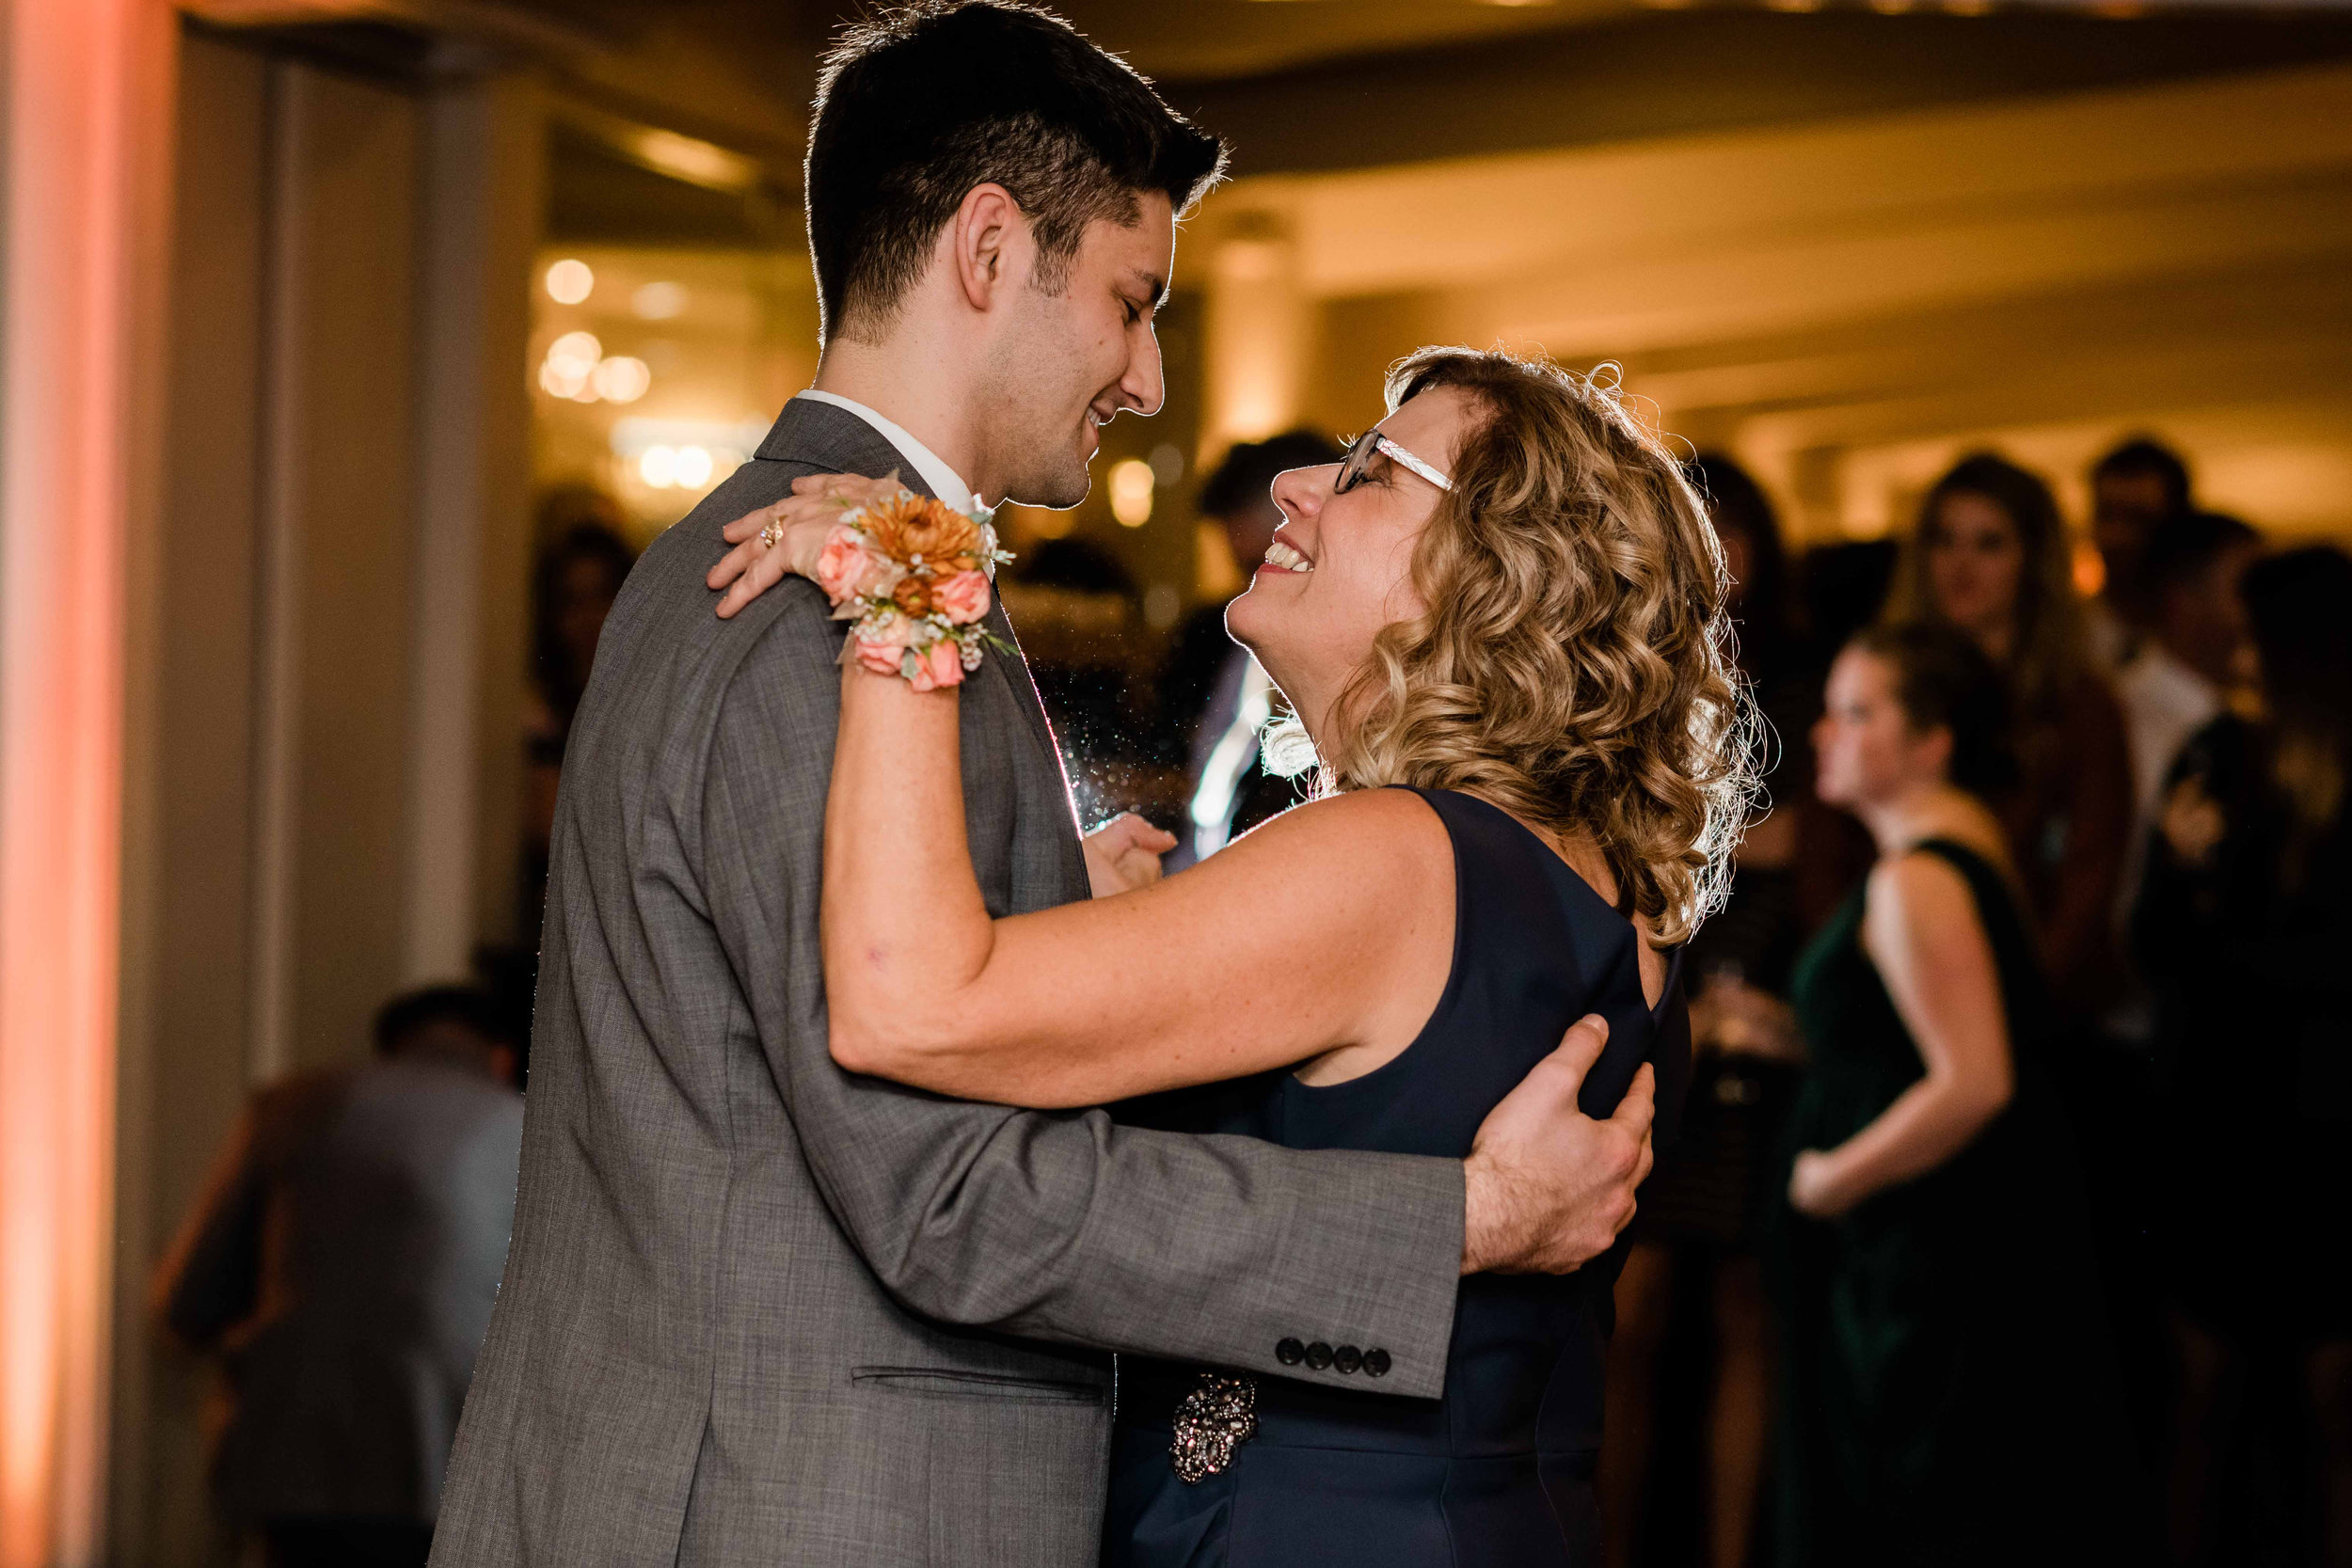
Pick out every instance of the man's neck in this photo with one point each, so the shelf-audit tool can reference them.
(905, 387)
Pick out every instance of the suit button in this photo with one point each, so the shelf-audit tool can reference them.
(1348, 1358)
(1290, 1352)
(1375, 1362)
(1318, 1357)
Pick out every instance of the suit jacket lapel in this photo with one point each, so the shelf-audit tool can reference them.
(835, 440)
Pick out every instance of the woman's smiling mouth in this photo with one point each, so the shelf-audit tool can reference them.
(1282, 557)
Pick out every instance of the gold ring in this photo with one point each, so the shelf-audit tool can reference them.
(770, 536)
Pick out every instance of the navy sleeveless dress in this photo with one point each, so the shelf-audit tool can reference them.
(1500, 1470)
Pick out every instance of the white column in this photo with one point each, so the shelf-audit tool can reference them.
(277, 648)
(482, 154)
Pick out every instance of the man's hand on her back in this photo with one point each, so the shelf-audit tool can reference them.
(1123, 855)
(1548, 1187)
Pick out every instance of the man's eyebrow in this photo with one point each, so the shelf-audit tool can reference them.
(1154, 286)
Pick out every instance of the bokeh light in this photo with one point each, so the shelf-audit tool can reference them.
(621, 379)
(1132, 482)
(570, 282)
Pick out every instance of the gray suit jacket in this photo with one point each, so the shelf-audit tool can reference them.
(761, 1310)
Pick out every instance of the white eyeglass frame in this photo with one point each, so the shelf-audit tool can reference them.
(1378, 442)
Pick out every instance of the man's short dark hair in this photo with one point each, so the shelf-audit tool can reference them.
(2182, 549)
(409, 1014)
(2145, 455)
(1241, 481)
(920, 105)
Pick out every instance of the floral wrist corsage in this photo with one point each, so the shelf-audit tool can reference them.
(914, 574)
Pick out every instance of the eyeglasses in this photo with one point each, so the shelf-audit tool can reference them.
(1356, 466)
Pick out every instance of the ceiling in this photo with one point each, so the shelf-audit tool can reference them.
(1837, 239)
(1334, 83)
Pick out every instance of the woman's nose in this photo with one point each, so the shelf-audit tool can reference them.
(1301, 492)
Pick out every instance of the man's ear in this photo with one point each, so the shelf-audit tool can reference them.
(987, 242)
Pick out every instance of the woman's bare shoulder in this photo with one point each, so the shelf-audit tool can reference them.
(1372, 830)
(1340, 864)
(1919, 900)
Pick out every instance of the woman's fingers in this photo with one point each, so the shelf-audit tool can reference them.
(732, 564)
(760, 575)
(748, 525)
(766, 541)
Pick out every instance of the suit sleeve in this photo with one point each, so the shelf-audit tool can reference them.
(1056, 1226)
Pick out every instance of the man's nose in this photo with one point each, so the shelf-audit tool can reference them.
(1144, 389)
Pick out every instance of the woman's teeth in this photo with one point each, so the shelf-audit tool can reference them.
(1284, 559)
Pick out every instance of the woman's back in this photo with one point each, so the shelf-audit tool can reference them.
(1500, 1470)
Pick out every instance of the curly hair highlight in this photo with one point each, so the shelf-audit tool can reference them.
(1575, 663)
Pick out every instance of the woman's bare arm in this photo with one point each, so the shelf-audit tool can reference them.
(1329, 929)
(1922, 931)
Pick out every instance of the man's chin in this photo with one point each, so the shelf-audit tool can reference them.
(1056, 492)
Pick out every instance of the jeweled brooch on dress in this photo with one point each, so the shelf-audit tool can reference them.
(1210, 1422)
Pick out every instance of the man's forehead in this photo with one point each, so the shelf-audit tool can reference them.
(1146, 244)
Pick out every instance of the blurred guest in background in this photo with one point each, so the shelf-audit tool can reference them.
(342, 1264)
(1989, 557)
(2133, 489)
(2193, 654)
(1214, 696)
(1703, 1209)
(2243, 926)
(578, 576)
(1841, 588)
(1944, 1392)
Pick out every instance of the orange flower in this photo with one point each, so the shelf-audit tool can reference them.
(907, 526)
(913, 595)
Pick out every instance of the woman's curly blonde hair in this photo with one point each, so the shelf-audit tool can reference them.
(1574, 665)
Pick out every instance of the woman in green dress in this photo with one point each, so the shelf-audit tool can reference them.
(1949, 1398)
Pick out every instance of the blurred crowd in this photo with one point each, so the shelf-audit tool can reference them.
(2142, 1209)
(2039, 1152)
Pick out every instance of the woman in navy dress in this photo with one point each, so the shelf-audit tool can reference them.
(1500, 624)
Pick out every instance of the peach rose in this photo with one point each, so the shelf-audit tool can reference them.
(941, 664)
(847, 567)
(962, 598)
(883, 642)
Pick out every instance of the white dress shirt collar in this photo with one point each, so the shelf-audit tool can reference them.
(944, 481)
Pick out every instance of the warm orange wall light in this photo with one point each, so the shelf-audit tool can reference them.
(87, 95)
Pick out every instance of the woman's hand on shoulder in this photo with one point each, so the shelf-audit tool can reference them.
(786, 536)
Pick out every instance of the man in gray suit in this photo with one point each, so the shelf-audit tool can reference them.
(761, 1310)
